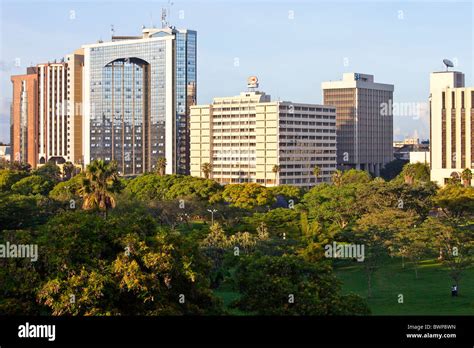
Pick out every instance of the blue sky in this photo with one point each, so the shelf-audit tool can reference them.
(292, 46)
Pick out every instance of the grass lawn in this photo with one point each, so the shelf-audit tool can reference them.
(430, 294)
(227, 294)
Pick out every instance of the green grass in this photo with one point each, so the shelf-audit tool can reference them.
(430, 294)
(228, 295)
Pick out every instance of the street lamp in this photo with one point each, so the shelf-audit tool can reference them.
(212, 214)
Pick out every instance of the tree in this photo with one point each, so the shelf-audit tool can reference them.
(9, 177)
(279, 221)
(288, 192)
(206, 169)
(68, 170)
(413, 243)
(288, 285)
(392, 169)
(276, 170)
(98, 186)
(247, 196)
(337, 178)
(120, 266)
(415, 172)
(33, 185)
(334, 207)
(455, 244)
(455, 201)
(408, 173)
(316, 172)
(20, 166)
(466, 177)
(169, 187)
(50, 171)
(161, 166)
(375, 230)
(354, 176)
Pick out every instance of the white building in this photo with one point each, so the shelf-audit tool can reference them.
(249, 138)
(452, 126)
(419, 157)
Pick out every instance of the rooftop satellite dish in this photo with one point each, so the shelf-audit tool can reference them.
(448, 63)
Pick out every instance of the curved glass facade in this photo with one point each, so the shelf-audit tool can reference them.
(140, 91)
(128, 104)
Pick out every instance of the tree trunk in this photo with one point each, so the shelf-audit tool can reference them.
(369, 285)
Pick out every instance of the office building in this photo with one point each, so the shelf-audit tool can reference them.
(452, 126)
(24, 125)
(46, 113)
(137, 94)
(54, 141)
(364, 121)
(246, 137)
(75, 67)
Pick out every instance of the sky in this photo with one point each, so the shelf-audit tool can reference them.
(292, 46)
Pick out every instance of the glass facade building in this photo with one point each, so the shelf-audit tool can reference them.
(136, 100)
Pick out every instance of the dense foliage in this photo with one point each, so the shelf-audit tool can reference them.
(163, 244)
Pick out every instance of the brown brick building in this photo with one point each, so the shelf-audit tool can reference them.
(24, 117)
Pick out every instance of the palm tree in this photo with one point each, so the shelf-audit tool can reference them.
(206, 169)
(276, 169)
(316, 172)
(337, 177)
(68, 170)
(98, 185)
(466, 177)
(455, 178)
(409, 173)
(161, 166)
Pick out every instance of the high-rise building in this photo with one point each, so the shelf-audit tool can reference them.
(54, 140)
(24, 118)
(75, 65)
(249, 138)
(452, 125)
(46, 112)
(364, 121)
(137, 94)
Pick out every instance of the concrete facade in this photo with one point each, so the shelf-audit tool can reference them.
(452, 126)
(245, 137)
(364, 121)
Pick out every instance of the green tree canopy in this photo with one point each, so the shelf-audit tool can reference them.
(32, 185)
(288, 285)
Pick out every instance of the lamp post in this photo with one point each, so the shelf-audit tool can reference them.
(212, 214)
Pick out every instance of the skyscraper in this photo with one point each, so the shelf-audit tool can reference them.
(54, 133)
(24, 118)
(452, 125)
(137, 94)
(46, 112)
(249, 138)
(364, 121)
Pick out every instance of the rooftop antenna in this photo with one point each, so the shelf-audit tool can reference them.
(112, 30)
(448, 64)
